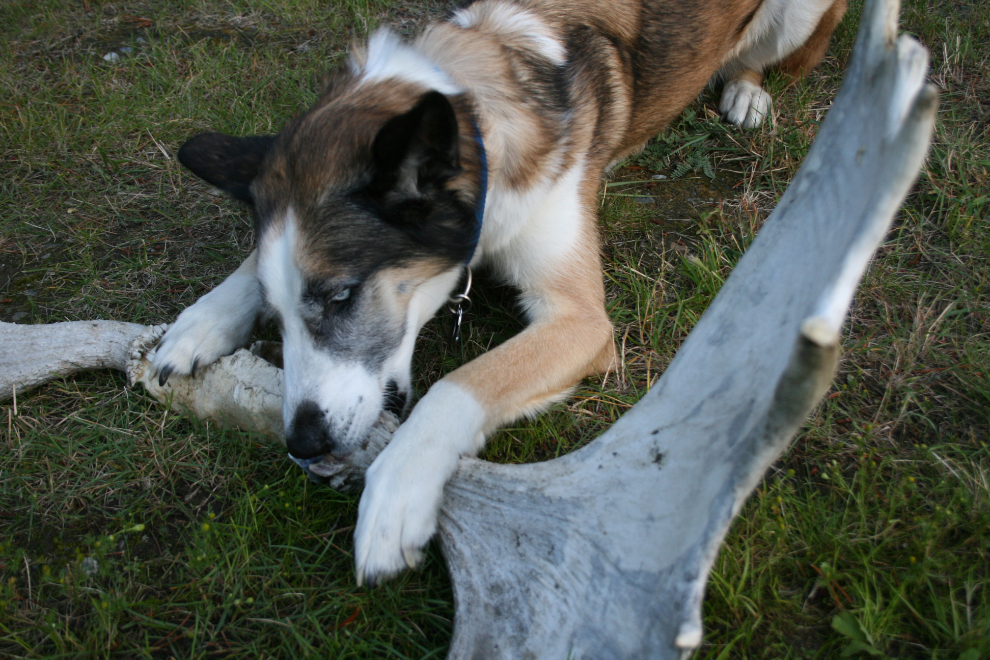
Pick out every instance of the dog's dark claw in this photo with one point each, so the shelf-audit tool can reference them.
(195, 364)
(164, 374)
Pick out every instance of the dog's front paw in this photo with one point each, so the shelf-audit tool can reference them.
(203, 333)
(744, 103)
(397, 515)
(403, 487)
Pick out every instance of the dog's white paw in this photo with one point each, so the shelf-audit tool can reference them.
(744, 103)
(397, 515)
(207, 330)
(216, 325)
(403, 488)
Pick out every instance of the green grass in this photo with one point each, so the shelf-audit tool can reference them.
(130, 531)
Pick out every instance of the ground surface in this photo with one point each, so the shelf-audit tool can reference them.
(130, 531)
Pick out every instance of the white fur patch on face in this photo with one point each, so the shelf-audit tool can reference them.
(388, 57)
(347, 393)
(507, 18)
(277, 269)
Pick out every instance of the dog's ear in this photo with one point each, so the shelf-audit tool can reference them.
(229, 163)
(418, 147)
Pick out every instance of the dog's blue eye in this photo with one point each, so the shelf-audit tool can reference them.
(342, 295)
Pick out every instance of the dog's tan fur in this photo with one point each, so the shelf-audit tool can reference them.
(575, 340)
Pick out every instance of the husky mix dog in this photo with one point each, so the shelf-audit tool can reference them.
(483, 142)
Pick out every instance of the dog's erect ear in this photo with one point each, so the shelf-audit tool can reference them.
(229, 163)
(418, 147)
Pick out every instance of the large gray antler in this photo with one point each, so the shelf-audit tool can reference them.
(604, 553)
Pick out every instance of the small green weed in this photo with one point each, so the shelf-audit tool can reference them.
(685, 148)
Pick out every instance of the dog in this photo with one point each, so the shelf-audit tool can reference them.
(481, 143)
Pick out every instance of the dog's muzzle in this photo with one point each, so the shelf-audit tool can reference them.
(346, 474)
(308, 436)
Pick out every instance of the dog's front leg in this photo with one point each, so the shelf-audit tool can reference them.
(569, 338)
(403, 489)
(215, 325)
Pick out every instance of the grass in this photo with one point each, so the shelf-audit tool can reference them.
(130, 531)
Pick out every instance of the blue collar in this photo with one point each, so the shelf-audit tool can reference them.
(479, 211)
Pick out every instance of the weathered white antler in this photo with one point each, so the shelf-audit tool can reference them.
(240, 389)
(604, 553)
(243, 390)
(32, 355)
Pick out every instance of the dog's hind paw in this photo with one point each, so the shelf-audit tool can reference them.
(744, 103)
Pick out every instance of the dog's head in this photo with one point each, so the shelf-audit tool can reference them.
(364, 217)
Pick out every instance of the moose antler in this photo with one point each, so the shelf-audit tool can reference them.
(604, 553)
(243, 390)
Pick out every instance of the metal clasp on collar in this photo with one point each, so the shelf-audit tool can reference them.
(459, 303)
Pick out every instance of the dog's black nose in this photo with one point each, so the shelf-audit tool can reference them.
(308, 435)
